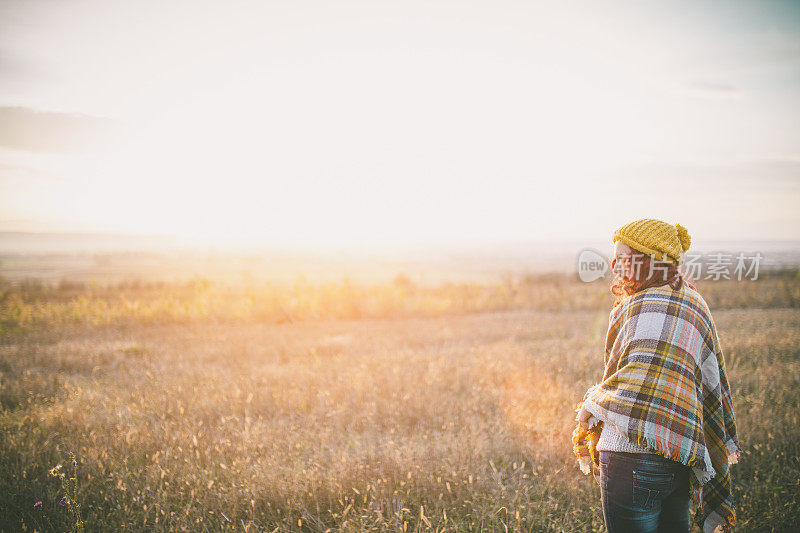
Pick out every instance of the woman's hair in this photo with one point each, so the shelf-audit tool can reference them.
(646, 274)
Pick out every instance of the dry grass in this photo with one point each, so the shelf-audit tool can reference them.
(455, 419)
(34, 306)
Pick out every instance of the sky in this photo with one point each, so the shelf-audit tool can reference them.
(379, 123)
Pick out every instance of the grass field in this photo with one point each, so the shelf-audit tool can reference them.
(195, 407)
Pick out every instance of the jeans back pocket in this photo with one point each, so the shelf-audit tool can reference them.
(605, 461)
(650, 486)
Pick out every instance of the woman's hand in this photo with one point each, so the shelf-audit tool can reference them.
(583, 417)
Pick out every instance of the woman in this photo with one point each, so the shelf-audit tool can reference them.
(660, 425)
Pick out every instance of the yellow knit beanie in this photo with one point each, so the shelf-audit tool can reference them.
(662, 240)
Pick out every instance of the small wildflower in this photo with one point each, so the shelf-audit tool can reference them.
(38, 504)
(62, 503)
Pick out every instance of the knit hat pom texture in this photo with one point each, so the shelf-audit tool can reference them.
(684, 237)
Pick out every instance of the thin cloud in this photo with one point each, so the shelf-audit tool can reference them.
(11, 173)
(714, 89)
(769, 173)
(23, 128)
(13, 67)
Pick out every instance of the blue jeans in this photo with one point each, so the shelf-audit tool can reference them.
(643, 492)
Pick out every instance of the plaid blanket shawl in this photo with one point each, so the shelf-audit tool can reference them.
(665, 387)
